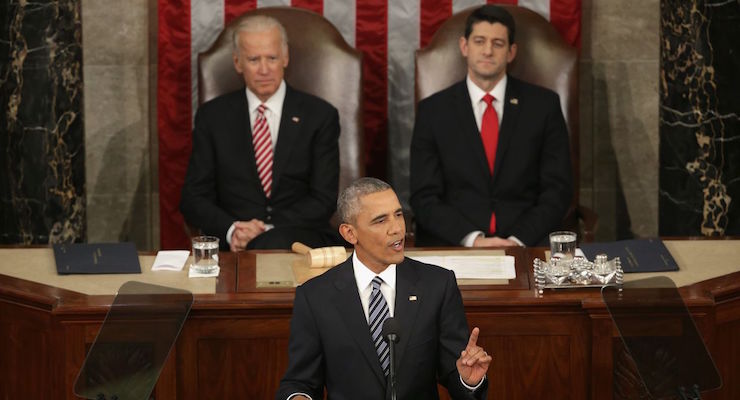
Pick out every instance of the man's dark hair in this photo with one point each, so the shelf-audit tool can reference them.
(491, 14)
(348, 202)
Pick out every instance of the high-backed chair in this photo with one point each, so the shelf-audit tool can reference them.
(321, 63)
(543, 58)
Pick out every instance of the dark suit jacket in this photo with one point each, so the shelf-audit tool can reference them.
(330, 344)
(452, 190)
(222, 185)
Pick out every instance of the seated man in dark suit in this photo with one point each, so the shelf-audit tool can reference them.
(264, 170)
(490, 156)
(335, 333)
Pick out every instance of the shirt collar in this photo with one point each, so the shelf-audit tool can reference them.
(274, 103)
(476, 93)
(363, 275)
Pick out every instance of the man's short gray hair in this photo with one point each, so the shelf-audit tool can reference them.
(348, 202)
(259, 23)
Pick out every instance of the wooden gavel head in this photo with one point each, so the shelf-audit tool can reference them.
(322, 257)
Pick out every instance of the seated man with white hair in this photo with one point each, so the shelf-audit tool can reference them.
(264, 170)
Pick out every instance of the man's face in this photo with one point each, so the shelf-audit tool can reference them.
(261, 62)
(487, 52)
(378, 231)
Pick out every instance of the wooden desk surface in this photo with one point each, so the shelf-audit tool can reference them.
(698, 260)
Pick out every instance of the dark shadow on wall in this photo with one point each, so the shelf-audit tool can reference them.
(608, 194)
(123, 216)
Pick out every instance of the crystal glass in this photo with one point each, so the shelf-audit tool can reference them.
(563, 245)
(205, 254)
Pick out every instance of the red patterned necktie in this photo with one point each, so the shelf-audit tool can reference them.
(489, 131)
(262, 142)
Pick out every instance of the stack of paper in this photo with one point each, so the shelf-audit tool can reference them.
(474, 267)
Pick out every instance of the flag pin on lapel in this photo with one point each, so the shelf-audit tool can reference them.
(514, 101)
(412, 298)
(296, 119)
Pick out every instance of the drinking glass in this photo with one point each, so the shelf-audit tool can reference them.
(563, 245)
(205, 254)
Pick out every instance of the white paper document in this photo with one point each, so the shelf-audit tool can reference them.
(474, 267)
(170, 260)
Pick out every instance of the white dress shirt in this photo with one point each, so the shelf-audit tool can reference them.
(273, 111)
(479, 108)
(364, 277)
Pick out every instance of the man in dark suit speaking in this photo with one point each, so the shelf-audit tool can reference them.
(264, 170)
(335, 340)
(490, 156)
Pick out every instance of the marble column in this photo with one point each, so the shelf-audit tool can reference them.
(42, 177)
(700, 118)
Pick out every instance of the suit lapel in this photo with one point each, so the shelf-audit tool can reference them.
(408, 298)
(290, 124)
(508, 125)
(469, 129)
(347, 301)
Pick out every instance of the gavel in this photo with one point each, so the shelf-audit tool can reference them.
(321, 257)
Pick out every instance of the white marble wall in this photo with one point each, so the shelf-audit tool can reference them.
(619, 118)
(120, 161)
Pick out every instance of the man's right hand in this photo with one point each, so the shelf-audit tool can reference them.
(244, 232)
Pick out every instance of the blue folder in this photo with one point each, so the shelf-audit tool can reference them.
(636, 255)
(97, 258)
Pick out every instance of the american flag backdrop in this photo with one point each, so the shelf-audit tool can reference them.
(386, 31)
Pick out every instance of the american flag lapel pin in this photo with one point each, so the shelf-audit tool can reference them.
(514, 101)
(296, 119)
(412, 298)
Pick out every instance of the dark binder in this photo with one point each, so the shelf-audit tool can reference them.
(636, 255)
(97, 258)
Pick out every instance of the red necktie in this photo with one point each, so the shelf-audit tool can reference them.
(489, 131)
(262, 142)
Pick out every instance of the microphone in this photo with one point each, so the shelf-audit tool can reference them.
(390, 333)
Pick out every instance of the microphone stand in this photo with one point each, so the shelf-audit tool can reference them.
(393, 338)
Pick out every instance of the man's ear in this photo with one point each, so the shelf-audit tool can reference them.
(237, 67)
(348, 233)
(512, 53)
(463, 46)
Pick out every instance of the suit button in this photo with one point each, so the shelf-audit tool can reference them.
(269, 217)
(268, 209)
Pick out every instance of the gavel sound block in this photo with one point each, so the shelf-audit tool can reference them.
(322, 257)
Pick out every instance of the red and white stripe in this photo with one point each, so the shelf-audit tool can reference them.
(262, 143)
(386, 31)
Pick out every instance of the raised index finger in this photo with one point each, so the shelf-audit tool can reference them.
(473, 337)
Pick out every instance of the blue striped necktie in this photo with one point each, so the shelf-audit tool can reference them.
(377, 313)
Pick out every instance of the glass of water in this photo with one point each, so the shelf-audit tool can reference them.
(205, 254)
(563, 245)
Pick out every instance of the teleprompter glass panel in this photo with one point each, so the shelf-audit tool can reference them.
(661, 338)
(127, 356)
